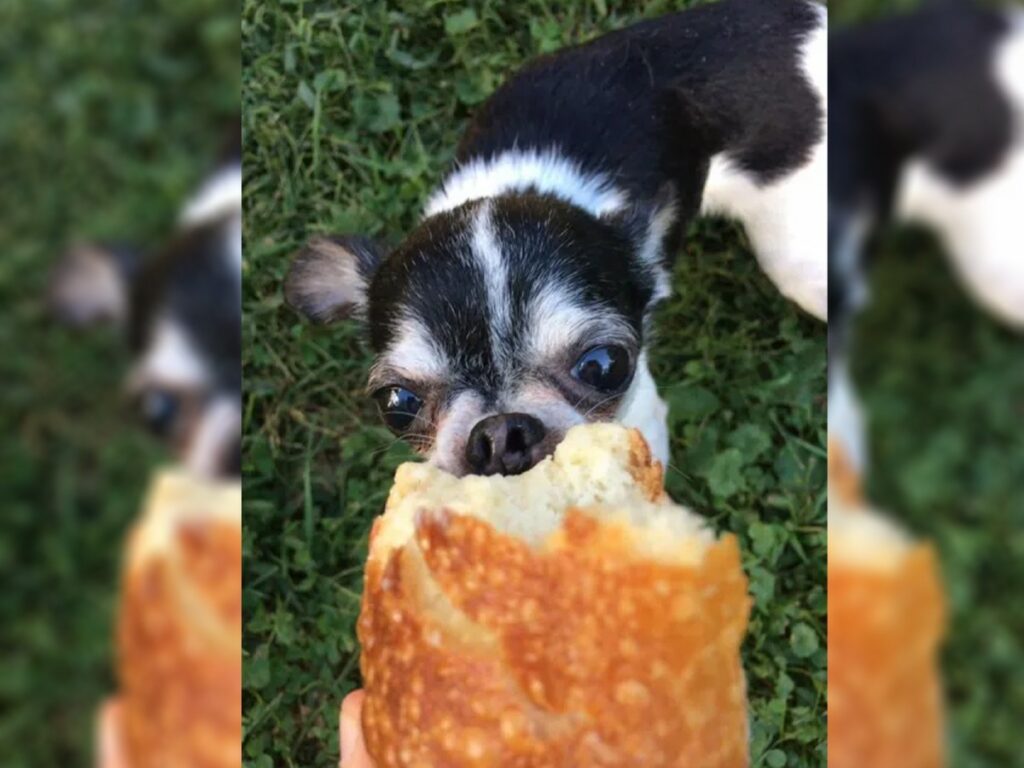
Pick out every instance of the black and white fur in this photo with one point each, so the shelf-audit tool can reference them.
(554, 233)
(926, 121)
(180, 309)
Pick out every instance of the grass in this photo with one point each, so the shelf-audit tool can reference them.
(944, 389)
(351, 113)
(109, 112)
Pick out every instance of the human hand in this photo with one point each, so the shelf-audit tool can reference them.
(350, 733)
(109, 752)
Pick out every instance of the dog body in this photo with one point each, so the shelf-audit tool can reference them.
(520, 305)
(180, 309)
(927, 124)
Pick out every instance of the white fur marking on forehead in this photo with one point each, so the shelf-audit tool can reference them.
(221, 195)
(170, 359)
(490, 259)
(547, 171)
(414, 352)
(558, 318)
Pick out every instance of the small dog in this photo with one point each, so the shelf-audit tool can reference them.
(181, 311)
(520, 305)
(926, 120)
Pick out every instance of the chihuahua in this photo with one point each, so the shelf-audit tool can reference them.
(180, 309)
(521, 304)
(927, 123)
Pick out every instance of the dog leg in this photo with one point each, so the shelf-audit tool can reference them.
(785, 222)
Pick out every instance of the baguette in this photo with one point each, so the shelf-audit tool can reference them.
(569, 616)
(179, 631)
(886, 617)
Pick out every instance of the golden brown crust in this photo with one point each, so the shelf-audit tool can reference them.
(647, 473)
(481, 651)
(884, 697)
(844, 480)
(179, 634)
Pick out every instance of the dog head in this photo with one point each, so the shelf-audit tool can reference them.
(180, 309)
(498, 324)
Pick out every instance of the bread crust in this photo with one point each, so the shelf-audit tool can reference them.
(886, 618)
(884, 692)
(844, 480)
(179, 631)
(480, 650)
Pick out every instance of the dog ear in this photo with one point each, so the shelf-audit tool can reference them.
(328, 279)
(655, 229)
(91, 285)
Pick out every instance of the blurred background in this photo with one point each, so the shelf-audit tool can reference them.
(111, 113)
(942, 388)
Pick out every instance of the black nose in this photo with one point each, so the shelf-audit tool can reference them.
(505, 444)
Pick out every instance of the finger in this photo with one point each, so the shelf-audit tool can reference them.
(350, 732)
(109, 753)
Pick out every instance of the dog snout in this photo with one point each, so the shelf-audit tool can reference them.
(505, 444)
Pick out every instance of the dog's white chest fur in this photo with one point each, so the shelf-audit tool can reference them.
(643, 409)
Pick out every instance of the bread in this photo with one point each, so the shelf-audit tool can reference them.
(569, 616)
(844, 481)
(179, 630)
(885, 623)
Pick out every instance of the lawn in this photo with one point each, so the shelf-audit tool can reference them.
(109, 114)
(351, 113)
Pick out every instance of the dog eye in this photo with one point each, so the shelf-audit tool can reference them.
(605, 368)
(398, 407)
(159, 411)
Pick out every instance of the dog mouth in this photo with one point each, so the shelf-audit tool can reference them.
(501, 444)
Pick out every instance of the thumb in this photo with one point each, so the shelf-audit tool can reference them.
(108, 736)
(350, 728)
